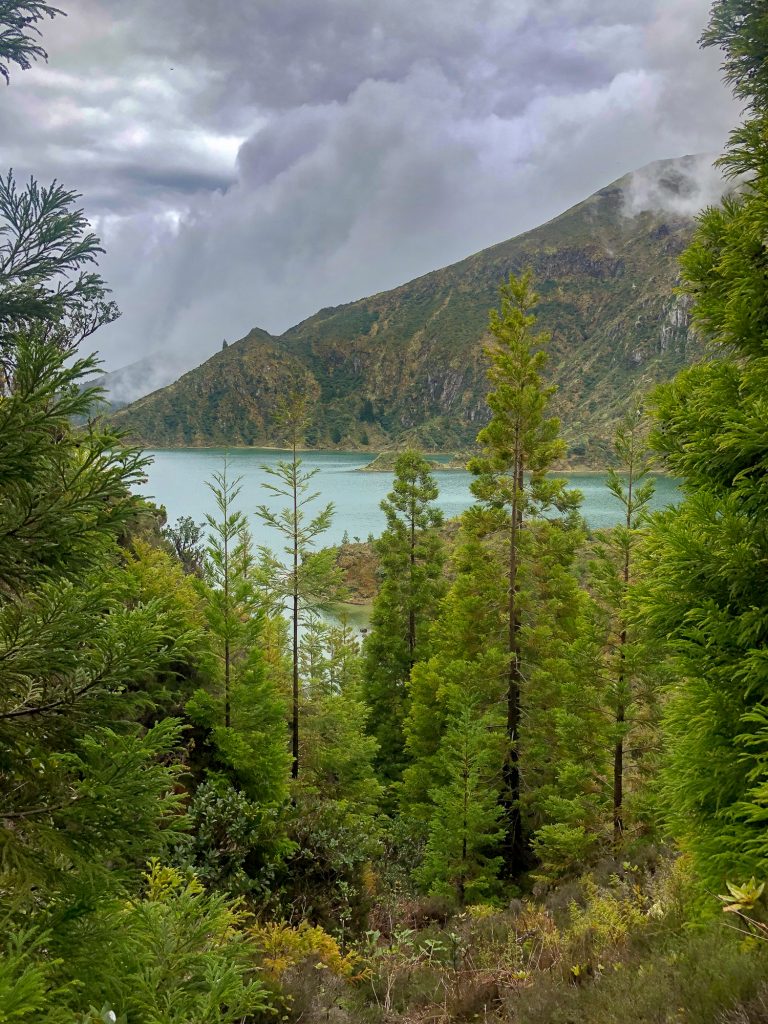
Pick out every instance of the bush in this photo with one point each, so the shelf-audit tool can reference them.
(328, 879)
(236, 844)
(176, 955)
(306, 966)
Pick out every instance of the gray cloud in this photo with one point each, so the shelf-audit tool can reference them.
(682, 187)
(248, 163)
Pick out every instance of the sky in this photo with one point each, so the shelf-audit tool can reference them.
(247, 162)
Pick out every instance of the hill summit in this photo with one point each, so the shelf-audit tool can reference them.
(407, 365)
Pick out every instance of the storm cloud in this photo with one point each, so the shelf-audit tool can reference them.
(249, 162)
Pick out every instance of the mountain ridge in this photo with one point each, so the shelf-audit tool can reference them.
(406, 365)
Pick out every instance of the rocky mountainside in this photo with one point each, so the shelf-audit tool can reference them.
(407, 365)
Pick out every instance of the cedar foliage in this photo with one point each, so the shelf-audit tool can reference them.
(706, 590)
(461, 858)
(20, 35)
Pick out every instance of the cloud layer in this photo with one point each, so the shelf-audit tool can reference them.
(247, 163)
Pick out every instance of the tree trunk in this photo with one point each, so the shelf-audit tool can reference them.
(514, 847)
(461, 888)
(618, 778)
(295, 721)
(227, 699)
(411, 609)
(621, 708)
(228, 614)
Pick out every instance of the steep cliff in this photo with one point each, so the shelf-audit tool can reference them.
(407, 365)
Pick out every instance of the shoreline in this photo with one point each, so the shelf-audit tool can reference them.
(577, 469)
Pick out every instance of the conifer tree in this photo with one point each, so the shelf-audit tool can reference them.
(519, 445)
(333, 817)
(238, 757)
(87, 762)
(45, 248)
(337, 752)
(464, 831)
(706, 593)
(564, 747)
(629, 665)
(467, 651)
(80, 779)
(411, 565)
(304, 580)
(231, 598)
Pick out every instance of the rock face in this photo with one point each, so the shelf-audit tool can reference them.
(407, 365)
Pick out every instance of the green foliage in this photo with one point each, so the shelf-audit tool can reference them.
(237, 844)
(706, 590)
(328, 876)
(337, 753)
(238, 756)
(467, 638)
(76, 654)
(64, 502)
(300, 535)
(19, 33)
(44, 244)
(411, 569)
(631, 666)
(305, 580)
(692, 976)
(175, 955)
(86, 635)
(27, 983)
(464, 833)
(335, 799)
(519, 446)
(185, 539)
(231, 599)
(739, 28)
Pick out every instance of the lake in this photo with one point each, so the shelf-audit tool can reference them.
(177, 479)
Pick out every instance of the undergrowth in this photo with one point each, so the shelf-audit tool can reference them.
(631, 948)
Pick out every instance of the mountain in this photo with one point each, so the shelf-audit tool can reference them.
(407, 365)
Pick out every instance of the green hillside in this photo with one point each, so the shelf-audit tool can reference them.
(407, 365)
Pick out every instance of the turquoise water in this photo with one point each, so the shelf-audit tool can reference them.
(177, 479)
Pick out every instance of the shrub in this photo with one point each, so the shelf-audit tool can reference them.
(176, 955)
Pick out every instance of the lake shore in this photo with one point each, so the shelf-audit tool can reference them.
(176, 478)
(451, 465)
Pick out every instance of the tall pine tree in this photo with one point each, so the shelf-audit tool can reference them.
(630, 669)
(231, 599)
(298, 578)
(519, 445)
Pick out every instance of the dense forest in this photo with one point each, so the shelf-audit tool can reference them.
(536, 792)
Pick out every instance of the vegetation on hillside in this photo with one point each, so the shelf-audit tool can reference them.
(537, 794)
